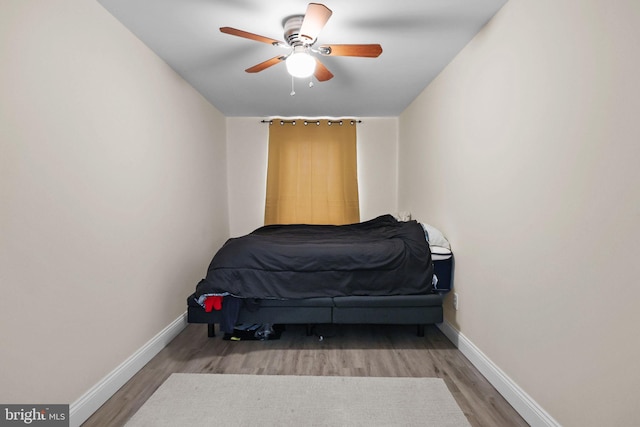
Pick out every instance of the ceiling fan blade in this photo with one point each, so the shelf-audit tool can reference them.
(322, 73)
(363, 50)
(314, 21)
(251, 36)
(266, 64)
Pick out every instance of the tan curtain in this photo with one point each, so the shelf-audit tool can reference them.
(312, 175)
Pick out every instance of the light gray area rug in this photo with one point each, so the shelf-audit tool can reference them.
(289, 400)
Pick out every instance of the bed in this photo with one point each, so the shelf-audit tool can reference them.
(379, 271)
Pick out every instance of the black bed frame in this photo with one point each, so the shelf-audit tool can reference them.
(419, 310)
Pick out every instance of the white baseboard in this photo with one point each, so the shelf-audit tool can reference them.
(85, 406)
(521, 401)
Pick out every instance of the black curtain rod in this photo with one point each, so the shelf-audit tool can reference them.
(307, 122)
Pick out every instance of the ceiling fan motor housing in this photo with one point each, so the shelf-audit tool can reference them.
(292, 35)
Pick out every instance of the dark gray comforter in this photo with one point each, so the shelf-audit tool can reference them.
(378, 257)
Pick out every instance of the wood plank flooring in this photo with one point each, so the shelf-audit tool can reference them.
(348, 350)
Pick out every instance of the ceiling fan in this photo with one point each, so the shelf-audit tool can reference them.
(300, 34)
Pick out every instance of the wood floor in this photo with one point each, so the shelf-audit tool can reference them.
(348, 350)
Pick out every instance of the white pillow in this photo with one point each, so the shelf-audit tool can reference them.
(435, 236)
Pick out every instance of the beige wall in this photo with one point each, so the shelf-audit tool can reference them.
(247, 147)
(525, 151)
(112, 193)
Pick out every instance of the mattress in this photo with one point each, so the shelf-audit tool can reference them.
(379, 257)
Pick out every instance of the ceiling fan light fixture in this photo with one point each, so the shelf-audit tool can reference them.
(300, 64)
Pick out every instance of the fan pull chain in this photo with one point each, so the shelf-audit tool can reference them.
(293, 90)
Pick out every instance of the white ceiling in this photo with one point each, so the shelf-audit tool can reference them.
(418, 37)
